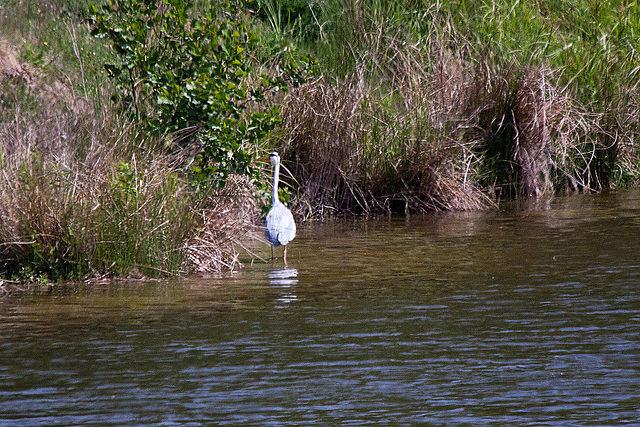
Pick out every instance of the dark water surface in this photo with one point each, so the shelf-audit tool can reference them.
(521, 316)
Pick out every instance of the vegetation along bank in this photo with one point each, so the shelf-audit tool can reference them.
(133, 134)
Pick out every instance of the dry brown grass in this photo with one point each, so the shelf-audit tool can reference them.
(224, 224)
(365, 149)
(614, 135)
(520, 130)
(321, 125)
(436, 132)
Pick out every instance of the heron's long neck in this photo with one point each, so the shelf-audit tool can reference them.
(276, 175)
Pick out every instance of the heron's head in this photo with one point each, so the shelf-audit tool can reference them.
(274, 158)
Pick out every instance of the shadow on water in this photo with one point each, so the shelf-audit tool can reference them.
(526, 315)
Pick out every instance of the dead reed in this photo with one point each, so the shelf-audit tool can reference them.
(520, 132)
(225, 222)
(320, 122)
(364, 148)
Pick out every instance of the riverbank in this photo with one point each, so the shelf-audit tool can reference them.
(383, 108)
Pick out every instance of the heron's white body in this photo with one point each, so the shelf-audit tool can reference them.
(280, 227)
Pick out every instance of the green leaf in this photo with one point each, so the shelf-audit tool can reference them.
(164, 100)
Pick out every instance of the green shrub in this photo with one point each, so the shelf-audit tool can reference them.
(184, 74)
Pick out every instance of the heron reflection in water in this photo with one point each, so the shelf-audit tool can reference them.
(280, 227)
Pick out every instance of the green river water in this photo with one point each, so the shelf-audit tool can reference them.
(524, 315)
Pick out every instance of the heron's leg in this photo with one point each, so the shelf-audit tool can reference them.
(272, 256)
(284, 255)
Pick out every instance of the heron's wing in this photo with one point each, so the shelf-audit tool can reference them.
(280, 227)
(287, 233)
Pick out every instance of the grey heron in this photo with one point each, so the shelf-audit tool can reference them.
(280, 227)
